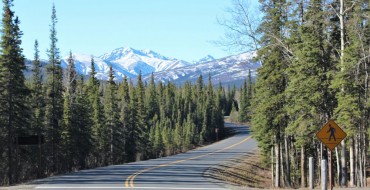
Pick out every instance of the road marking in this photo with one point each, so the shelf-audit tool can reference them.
(89, 187)
(130, 179)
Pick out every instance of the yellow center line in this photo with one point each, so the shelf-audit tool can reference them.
(130, 179)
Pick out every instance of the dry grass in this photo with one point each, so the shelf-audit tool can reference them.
(243, 171)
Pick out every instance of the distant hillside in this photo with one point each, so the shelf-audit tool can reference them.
(130, 62)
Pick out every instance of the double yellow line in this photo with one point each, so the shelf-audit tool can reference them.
(130, 179)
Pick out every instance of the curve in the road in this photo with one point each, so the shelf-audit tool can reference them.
(130, 179)
(177, 172)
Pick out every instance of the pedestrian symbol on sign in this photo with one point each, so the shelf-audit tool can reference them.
(332, 132)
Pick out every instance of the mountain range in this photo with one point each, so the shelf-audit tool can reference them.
(130, 62)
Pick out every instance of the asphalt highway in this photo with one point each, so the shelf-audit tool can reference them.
(179, 172)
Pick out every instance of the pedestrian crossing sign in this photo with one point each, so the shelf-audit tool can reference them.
(331, 134)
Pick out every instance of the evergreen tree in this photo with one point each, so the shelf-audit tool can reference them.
(68, 132)
(141, 123)
(112, 120)
(178, 136)
(133, 130)
(158, 141)
(54, 98)
(97, 115)
(37, 103)
(250, 87)
(83, 122)
(244, 103)
(125, 116)
(37, 100)
(14, 113)
(151, 100)
(189, 132)
(270, 118)
(308, 83)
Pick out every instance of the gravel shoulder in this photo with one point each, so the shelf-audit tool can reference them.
(244, 172)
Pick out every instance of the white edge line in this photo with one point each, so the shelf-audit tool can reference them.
(86, 187)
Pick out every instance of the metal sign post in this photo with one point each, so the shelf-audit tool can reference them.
(216, 130)
(330, 170)
(331, 135)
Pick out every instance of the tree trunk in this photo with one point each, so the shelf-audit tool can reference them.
(272, 165)
(352, 164)
(341, 20)
(342, 44)
(357, 163)
(287, 162)
(365, 144)
(303, 175)
(282, 166)
(338, 164)
(361, 159)
(359, 174)
(344, 165)
(277, 173)
(319, 162)
(111, 144)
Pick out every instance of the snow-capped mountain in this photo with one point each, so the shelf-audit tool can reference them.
(130, 62)
(204, 59)
(232, 69)
(125, 61)
(144, 61)
(83, 66)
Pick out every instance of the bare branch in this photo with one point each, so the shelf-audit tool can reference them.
(353, 4)
(331, 5)
(280, 42)
(240, 28)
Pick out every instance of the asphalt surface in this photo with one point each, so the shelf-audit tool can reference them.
(179, 172)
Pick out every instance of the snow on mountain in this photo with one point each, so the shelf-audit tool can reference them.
(205, 59)
(130, 62)
(83, 66)
(144, 61)
(125, 61)
(232, 69)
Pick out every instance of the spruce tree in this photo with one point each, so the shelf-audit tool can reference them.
(151, 100)
(140, 122)
(54, 98)
(37, 103)
(250, 87)
(37, 93)
(83, 122)
(112, 121)
(244, 103)
(308, 83)
(97, 115)
(158, 141)
(14, 112)
(68, 131)
(270, 118)
(125, 116)
(133, 142)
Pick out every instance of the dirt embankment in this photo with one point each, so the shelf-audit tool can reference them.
(244, 171)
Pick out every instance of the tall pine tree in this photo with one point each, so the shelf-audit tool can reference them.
(14, 114)
(54, 98)
(112, 121)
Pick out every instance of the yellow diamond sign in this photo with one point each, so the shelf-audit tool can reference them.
(331, 134)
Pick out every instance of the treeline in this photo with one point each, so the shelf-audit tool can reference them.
(241, 110)
(316, 58)
(88, 123)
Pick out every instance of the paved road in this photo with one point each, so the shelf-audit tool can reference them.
(179, 172)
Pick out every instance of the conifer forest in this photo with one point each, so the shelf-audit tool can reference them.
(87, 123)
(315, 57)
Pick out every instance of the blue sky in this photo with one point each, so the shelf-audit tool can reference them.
(182, 29)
